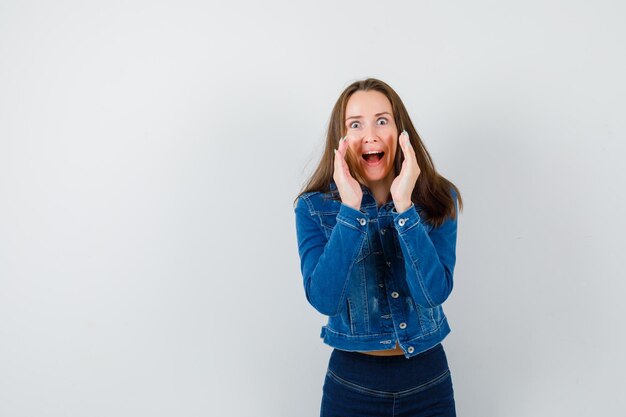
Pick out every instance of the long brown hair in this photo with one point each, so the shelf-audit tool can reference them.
(432, 191)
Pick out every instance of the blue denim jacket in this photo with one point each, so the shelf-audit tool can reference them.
(379, 275)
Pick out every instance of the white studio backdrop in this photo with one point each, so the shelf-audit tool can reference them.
(150, 153)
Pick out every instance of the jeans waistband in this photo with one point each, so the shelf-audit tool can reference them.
(388, 373)
(359, 356)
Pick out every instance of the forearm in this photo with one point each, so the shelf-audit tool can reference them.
(429, 264)
(327, 265)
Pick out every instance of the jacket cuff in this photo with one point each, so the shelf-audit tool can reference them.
(355, 219)
(406, 220)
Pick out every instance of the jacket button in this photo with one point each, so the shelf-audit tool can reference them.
(382, 231)
(401, 222)
(410, 349)
(362, 222)
(403, 325)
(395, 294)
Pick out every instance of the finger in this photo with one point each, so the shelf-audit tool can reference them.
(343, 144)
(403, 139)
(407, 143)
(338, 156)
(343, 148)
(402, 145)
(408, 153)
(339, 161)
(407, 148)
(409, 156)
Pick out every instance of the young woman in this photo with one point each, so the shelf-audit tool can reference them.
(376, 227)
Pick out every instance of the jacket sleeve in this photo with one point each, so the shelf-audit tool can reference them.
(429, 258)
(326, 264)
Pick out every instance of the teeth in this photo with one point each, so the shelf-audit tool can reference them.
(372, 152)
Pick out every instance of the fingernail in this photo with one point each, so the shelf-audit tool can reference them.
(405, 133)
(335, 150)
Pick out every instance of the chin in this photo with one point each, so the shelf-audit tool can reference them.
(378, 178)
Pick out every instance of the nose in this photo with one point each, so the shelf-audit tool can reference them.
(370, 135)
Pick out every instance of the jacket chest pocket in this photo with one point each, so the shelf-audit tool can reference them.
(329, 221)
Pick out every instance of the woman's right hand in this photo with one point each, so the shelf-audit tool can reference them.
(349, 188)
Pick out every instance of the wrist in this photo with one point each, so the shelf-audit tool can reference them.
(356, 206)
(402, 206)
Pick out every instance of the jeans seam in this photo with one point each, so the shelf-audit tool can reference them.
(359, 388)
(426, 385)
(387, 394)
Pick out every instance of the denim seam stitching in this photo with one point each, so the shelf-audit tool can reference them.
(417, 271)
(309, 205)
(411, 226)
(365, 302)
(345, 285)
(360, 336)
(425, 385)
(326, 213)
(362, 253)
(435, 330)
(387, 394)
(421, 282)
(425, 325)
(365, 250)
(313, 213)
(341, 220)
(359, 388)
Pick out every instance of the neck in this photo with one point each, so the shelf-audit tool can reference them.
(380, 190)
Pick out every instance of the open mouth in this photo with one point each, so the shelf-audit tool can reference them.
(373, 157)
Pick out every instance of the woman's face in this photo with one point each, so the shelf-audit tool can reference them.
(372, 136)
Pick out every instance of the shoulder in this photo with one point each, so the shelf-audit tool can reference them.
(304, 201)
(317, 201)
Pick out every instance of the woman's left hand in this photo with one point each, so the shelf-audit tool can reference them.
(402, 186)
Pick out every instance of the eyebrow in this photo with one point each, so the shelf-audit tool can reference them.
(358, 117)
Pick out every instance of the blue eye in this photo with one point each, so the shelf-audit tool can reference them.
(351, 125)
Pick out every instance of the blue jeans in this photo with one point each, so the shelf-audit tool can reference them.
(361, 385)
